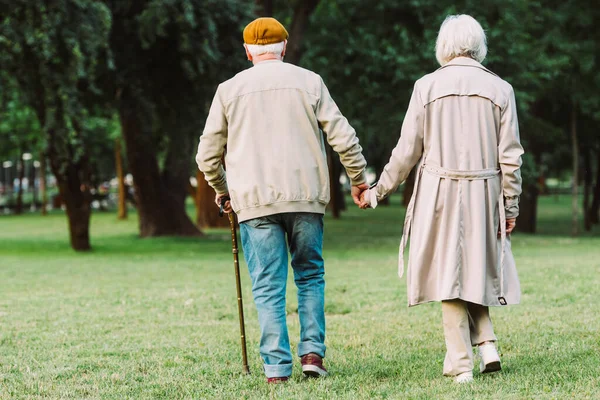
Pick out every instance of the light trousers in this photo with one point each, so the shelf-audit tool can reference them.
(465, 325)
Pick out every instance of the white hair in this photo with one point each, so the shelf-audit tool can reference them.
(460, 35)
(258, 49)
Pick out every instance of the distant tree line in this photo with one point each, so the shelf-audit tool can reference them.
(125, 85)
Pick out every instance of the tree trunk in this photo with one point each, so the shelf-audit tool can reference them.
(338, 170)
(160, 199)
(575, 167)
(34, 192)
(198, 198)
(73, 181)
(207, 213)
(527, 221)
(77, 198)
(595, 207)
(541, 183)
(21, 175)
(409, 187)
(122, 207)
(299, 25)
(73, 178)
(587, 188)
(335, 190)
(43, 190)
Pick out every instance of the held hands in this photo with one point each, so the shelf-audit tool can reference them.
(364, 200)
(227, 207)
(357, 193)
(360, 195)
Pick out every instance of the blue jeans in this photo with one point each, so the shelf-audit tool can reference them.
(266, 253)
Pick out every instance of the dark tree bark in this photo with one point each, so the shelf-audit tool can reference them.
(122, 206)
(76, 195)
(527, 220)
(34, 192)
(594, 212)
(20, 176)
(72, 176)
(73, 179)
(575, 168)
(43, 192)
(160, 198)
(207, 214)
(335, 188)
(587, 188)
(302, 13)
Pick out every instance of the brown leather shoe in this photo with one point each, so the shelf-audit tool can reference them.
(282, 379)
(312, 366)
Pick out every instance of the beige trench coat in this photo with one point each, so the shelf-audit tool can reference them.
(461, 127)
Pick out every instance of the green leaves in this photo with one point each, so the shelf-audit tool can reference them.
(370, 54)
(19, 128)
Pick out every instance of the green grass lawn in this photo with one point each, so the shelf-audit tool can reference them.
(157, 318)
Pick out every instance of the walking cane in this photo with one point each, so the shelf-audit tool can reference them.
(238, 284)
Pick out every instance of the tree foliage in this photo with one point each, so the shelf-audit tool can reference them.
(89, 68)
(54, 51)
(168, 58)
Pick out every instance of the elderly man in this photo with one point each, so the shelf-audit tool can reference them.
(270, 117)
(462, 124)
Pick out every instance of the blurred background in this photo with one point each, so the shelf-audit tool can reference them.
(102, 102)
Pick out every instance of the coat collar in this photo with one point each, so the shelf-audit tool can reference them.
(466, 62)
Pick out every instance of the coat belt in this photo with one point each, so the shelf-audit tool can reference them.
(478, 174)
(445, 173)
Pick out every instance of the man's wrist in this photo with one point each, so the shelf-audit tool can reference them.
(222, 190)
(360, 179)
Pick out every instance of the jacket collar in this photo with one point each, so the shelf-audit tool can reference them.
(466, 62)
(267, 62)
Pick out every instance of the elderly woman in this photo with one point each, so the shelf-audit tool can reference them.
(462, 125)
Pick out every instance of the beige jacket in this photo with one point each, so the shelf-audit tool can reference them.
(462, 125)
(270, 117)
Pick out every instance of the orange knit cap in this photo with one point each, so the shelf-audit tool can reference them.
(264, 31)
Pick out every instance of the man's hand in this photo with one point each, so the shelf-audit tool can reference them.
(510, 226)
(227, 207)
(357, 191)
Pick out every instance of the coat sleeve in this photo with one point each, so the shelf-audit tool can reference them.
(212, 146)
(341, 136)
(408, 151)
(509, 156)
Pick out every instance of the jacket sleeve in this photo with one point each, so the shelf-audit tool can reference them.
(212, 146)
(408, 151)
(509, 156)
(341, 136)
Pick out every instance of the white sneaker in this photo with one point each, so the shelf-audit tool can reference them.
(490, 360)
(465, 377)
